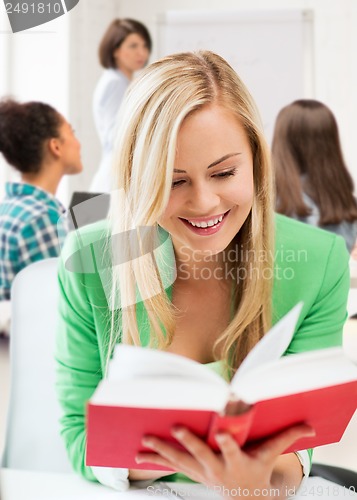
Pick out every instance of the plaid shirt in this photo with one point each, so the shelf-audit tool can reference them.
(28, 230)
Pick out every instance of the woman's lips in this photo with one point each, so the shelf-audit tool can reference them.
(205, 231)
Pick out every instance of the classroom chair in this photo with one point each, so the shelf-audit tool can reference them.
(32, 440)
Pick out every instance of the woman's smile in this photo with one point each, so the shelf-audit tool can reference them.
(206, 226)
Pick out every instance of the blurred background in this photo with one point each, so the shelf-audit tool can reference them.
(57, 62)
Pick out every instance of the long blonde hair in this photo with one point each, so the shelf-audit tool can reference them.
(151, 116)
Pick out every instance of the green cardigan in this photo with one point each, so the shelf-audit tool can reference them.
(311, 265)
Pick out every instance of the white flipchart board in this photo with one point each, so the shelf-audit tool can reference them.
(272, 51)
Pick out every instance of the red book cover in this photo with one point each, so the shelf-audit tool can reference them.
(147, 392)
(115, 433)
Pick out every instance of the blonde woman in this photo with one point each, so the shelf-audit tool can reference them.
(193, 167)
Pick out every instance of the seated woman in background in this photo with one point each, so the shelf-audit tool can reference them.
(193, 166)
(40, 144)
(123, 50)
(312, 182)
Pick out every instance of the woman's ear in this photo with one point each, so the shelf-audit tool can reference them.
(54, 147)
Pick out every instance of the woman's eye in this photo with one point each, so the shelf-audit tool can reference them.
(227, 173)
(176, 184)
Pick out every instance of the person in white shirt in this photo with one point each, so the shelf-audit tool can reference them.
(124, 49)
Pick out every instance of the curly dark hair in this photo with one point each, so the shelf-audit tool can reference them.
(24, 128)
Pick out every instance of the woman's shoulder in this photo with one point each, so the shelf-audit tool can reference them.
(310, 265)
(292, 234)
(111, 78)
(28, 213)
(306, 256)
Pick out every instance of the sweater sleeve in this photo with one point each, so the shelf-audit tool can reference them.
(79, 358)
(78, 364)
(323, 323)
(322, 326)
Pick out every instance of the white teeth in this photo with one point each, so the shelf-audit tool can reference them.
(209, 223)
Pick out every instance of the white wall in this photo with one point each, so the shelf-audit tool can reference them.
(4, 82)
(335, 50)
(58, 62)
(35, 66)
(88, 21)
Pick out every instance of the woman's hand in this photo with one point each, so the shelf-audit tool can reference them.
(259, 469)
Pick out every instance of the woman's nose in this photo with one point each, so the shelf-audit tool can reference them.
(204, 199)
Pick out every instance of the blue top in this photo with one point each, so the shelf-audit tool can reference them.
(348, 230)
(28, 230)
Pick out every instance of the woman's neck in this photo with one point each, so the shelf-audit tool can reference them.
(47, 179)
(202, 268)
(127, 73)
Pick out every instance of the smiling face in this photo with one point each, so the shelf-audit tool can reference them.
(212, 188)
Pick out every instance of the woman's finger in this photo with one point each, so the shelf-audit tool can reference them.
(196, 447)
(230, 450)
(271, 448)
(176, 459)
(152, 458)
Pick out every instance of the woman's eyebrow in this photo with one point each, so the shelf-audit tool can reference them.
(225, 157)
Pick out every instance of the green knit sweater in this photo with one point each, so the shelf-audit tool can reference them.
(311, 265)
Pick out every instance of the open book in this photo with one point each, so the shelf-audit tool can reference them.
(149, 391)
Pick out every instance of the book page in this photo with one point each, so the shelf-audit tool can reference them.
(272, 346)
(132, 362)
(297, 373)
(175, 393)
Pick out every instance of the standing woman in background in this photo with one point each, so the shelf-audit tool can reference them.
(312, 180)
(40, 144)
(124, 49)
